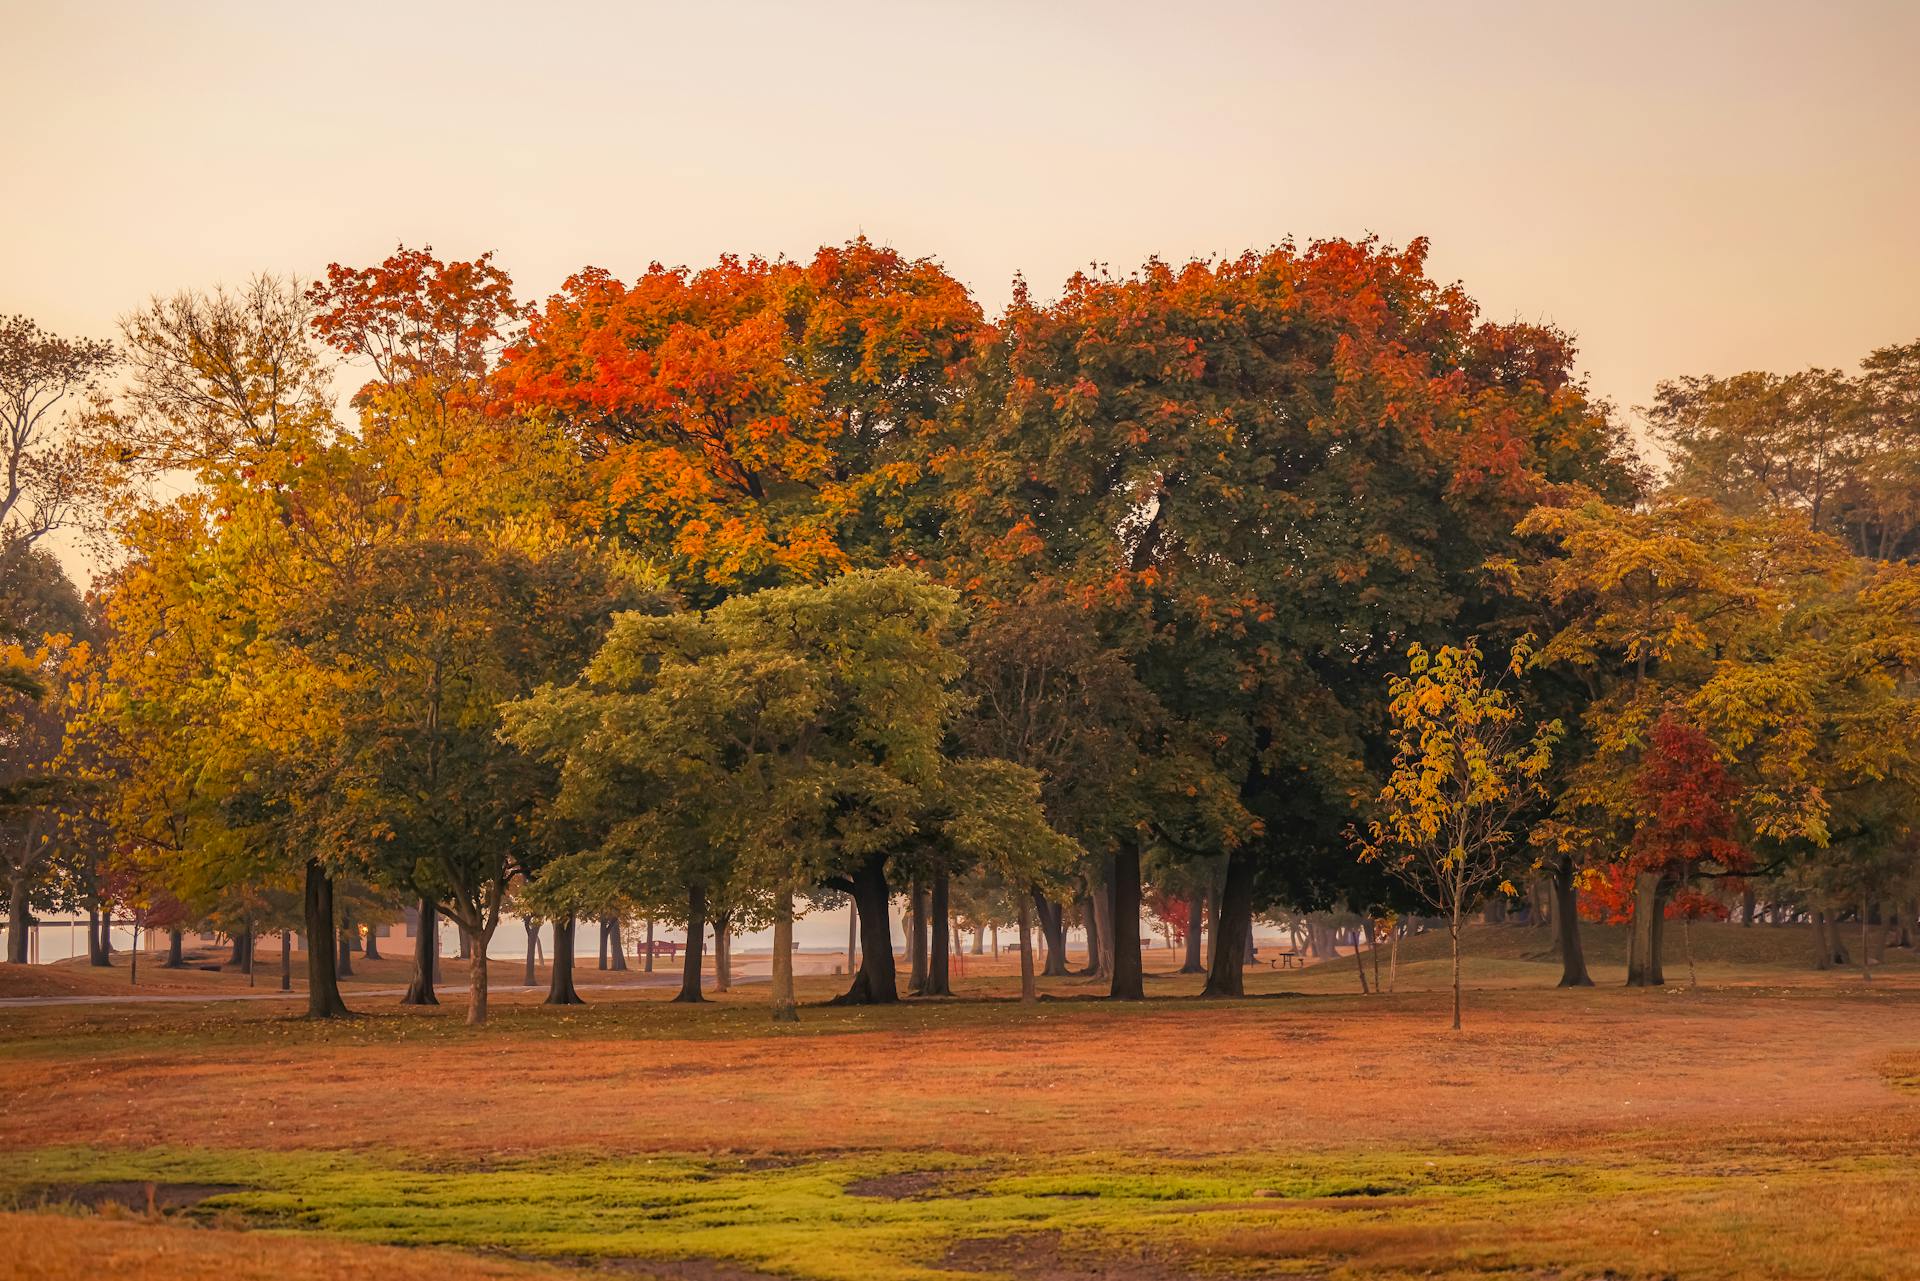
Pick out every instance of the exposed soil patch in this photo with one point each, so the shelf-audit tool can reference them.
(1040, 1256)
(913, 1185)
(142, 1198)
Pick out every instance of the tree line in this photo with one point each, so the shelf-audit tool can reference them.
(1278, 582)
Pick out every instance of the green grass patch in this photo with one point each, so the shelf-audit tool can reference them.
(898, 1216)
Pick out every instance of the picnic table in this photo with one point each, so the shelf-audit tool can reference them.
(1286, 960)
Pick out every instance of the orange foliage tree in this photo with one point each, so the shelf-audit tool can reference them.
(759, 421)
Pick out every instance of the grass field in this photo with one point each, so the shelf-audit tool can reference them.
(1762, 1124)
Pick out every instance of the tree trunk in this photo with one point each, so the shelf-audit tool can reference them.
(646, 965)
(853, 934)
(426, 950)
(286, 960)
(477, 978)
(176, 949)
(785, 1008)
(1866, 951)
(723, 952)
(979, 940)
(96, 955)
(371, 949)
(560, 989)
(1029, 990)
(1453, 940)
(531, 974)
(323, 985)
(343, 964)
(1232, 922)
(1748, 902)
(1196, 922)
(939, 931)
(603, 943)
(1053, 926)
(19, 920)
(875, 982)
(916, 938)
(237, 951)
(696, 940)
(1566, 925)
(1650, 892)
(1393, 955)
(1822, 952)
(1123, 915)
(616, 947)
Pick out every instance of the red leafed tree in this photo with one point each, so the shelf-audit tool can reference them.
(758, 421)
(1170, 912)
(1686, 800)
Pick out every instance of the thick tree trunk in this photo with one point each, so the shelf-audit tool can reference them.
(323, 985)
(286, 960)
(723, 952)
(696, 941)
(646, 966)
(1028, 989)
(1822, 950)
(477, 979)
(239, 949)
(1196, 924)
(1644, 947)
(979, 940)
(875, 982)
(1093, 914)
(343, 964)
(916, 938)
(939, 932)
(531, 975)
(560, 989)
(19, 920)
(785, 1008)
(603, 944)
(1566, 925)
(853, 934)
(176, 950)
(372, 948)
(96, 954)
(616, 946)
(426, 951)
(1231, 925)
(1053, 928)
(1748, 902)
(1123, 913)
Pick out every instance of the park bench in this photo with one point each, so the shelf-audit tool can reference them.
(661, 948)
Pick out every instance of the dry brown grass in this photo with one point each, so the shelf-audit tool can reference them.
(1776, 1094)
(52, 1247)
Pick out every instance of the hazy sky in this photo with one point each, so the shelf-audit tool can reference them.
(1688, 187)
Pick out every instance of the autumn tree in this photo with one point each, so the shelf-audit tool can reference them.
(1687, 828)
(43, 470)
(787, 737)
(1270, 473)
(1466, 768)
(1678, 604)
(756, 422)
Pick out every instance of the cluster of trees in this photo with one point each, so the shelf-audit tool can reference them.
(718, 595)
